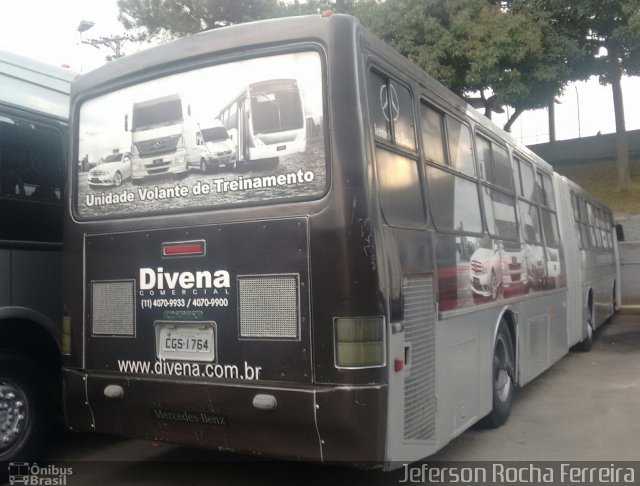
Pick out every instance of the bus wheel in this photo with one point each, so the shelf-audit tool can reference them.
(22, 416)
(117, 179)
(503, 373)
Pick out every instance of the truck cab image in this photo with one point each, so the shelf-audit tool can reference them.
(158, 138)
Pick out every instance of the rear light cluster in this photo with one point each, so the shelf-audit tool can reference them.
(359, 342)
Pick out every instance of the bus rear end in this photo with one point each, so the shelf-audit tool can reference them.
(223, 310)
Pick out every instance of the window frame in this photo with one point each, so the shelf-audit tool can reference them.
(447, 168)
(373, 67)
(492, 186)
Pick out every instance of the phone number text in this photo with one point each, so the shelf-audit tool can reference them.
(183, 303)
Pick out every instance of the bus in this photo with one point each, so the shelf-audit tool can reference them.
(34, 113)
(266, 120)
(329, 308)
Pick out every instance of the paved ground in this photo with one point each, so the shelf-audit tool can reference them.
(584, 408)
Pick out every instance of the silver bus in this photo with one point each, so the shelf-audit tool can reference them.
(366, 300)
(34, 112)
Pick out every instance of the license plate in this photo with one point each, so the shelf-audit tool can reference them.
(186, 341)
(156, 161)
(280, 148)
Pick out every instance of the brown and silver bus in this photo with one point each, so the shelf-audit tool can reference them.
(367, 299)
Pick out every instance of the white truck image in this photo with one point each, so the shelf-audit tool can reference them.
(158, 134)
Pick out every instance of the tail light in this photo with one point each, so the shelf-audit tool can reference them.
(359, 342)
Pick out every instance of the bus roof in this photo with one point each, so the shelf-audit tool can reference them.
(33, 85)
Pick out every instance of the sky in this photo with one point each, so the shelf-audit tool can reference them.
(47, 30)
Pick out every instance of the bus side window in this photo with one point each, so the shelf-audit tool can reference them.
(379, 107)
(404, 126)
(453, 197)
(400, 189)
(503, 174)
(391, 111)
(495, 164)
(460, 146)
(12, 159)
(527, 181)
(453, 201)
(432, 135)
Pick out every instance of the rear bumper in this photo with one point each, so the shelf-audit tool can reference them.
(277, 149)
(320, 424)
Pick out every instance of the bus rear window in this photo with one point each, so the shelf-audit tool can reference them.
(241, 133)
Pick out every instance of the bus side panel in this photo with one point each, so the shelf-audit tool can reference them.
(414, 336)
(541, 333)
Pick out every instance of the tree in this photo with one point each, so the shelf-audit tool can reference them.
(508, 54)
(177, 18)
(613, 32)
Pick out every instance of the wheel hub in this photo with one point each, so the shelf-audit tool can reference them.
(12, 414)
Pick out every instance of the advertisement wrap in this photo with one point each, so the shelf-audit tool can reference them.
(190, 303)
(241, 133)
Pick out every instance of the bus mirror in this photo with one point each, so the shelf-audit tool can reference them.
(188, 110)
(126, 123)
(619, 232)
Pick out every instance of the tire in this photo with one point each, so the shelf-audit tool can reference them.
(203, 166)
(117, 179)
(503, 372)
(23, 410)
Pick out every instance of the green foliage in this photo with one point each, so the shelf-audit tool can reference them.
(520, 53)
(611, 32)
(510, 53)
(176, 18)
